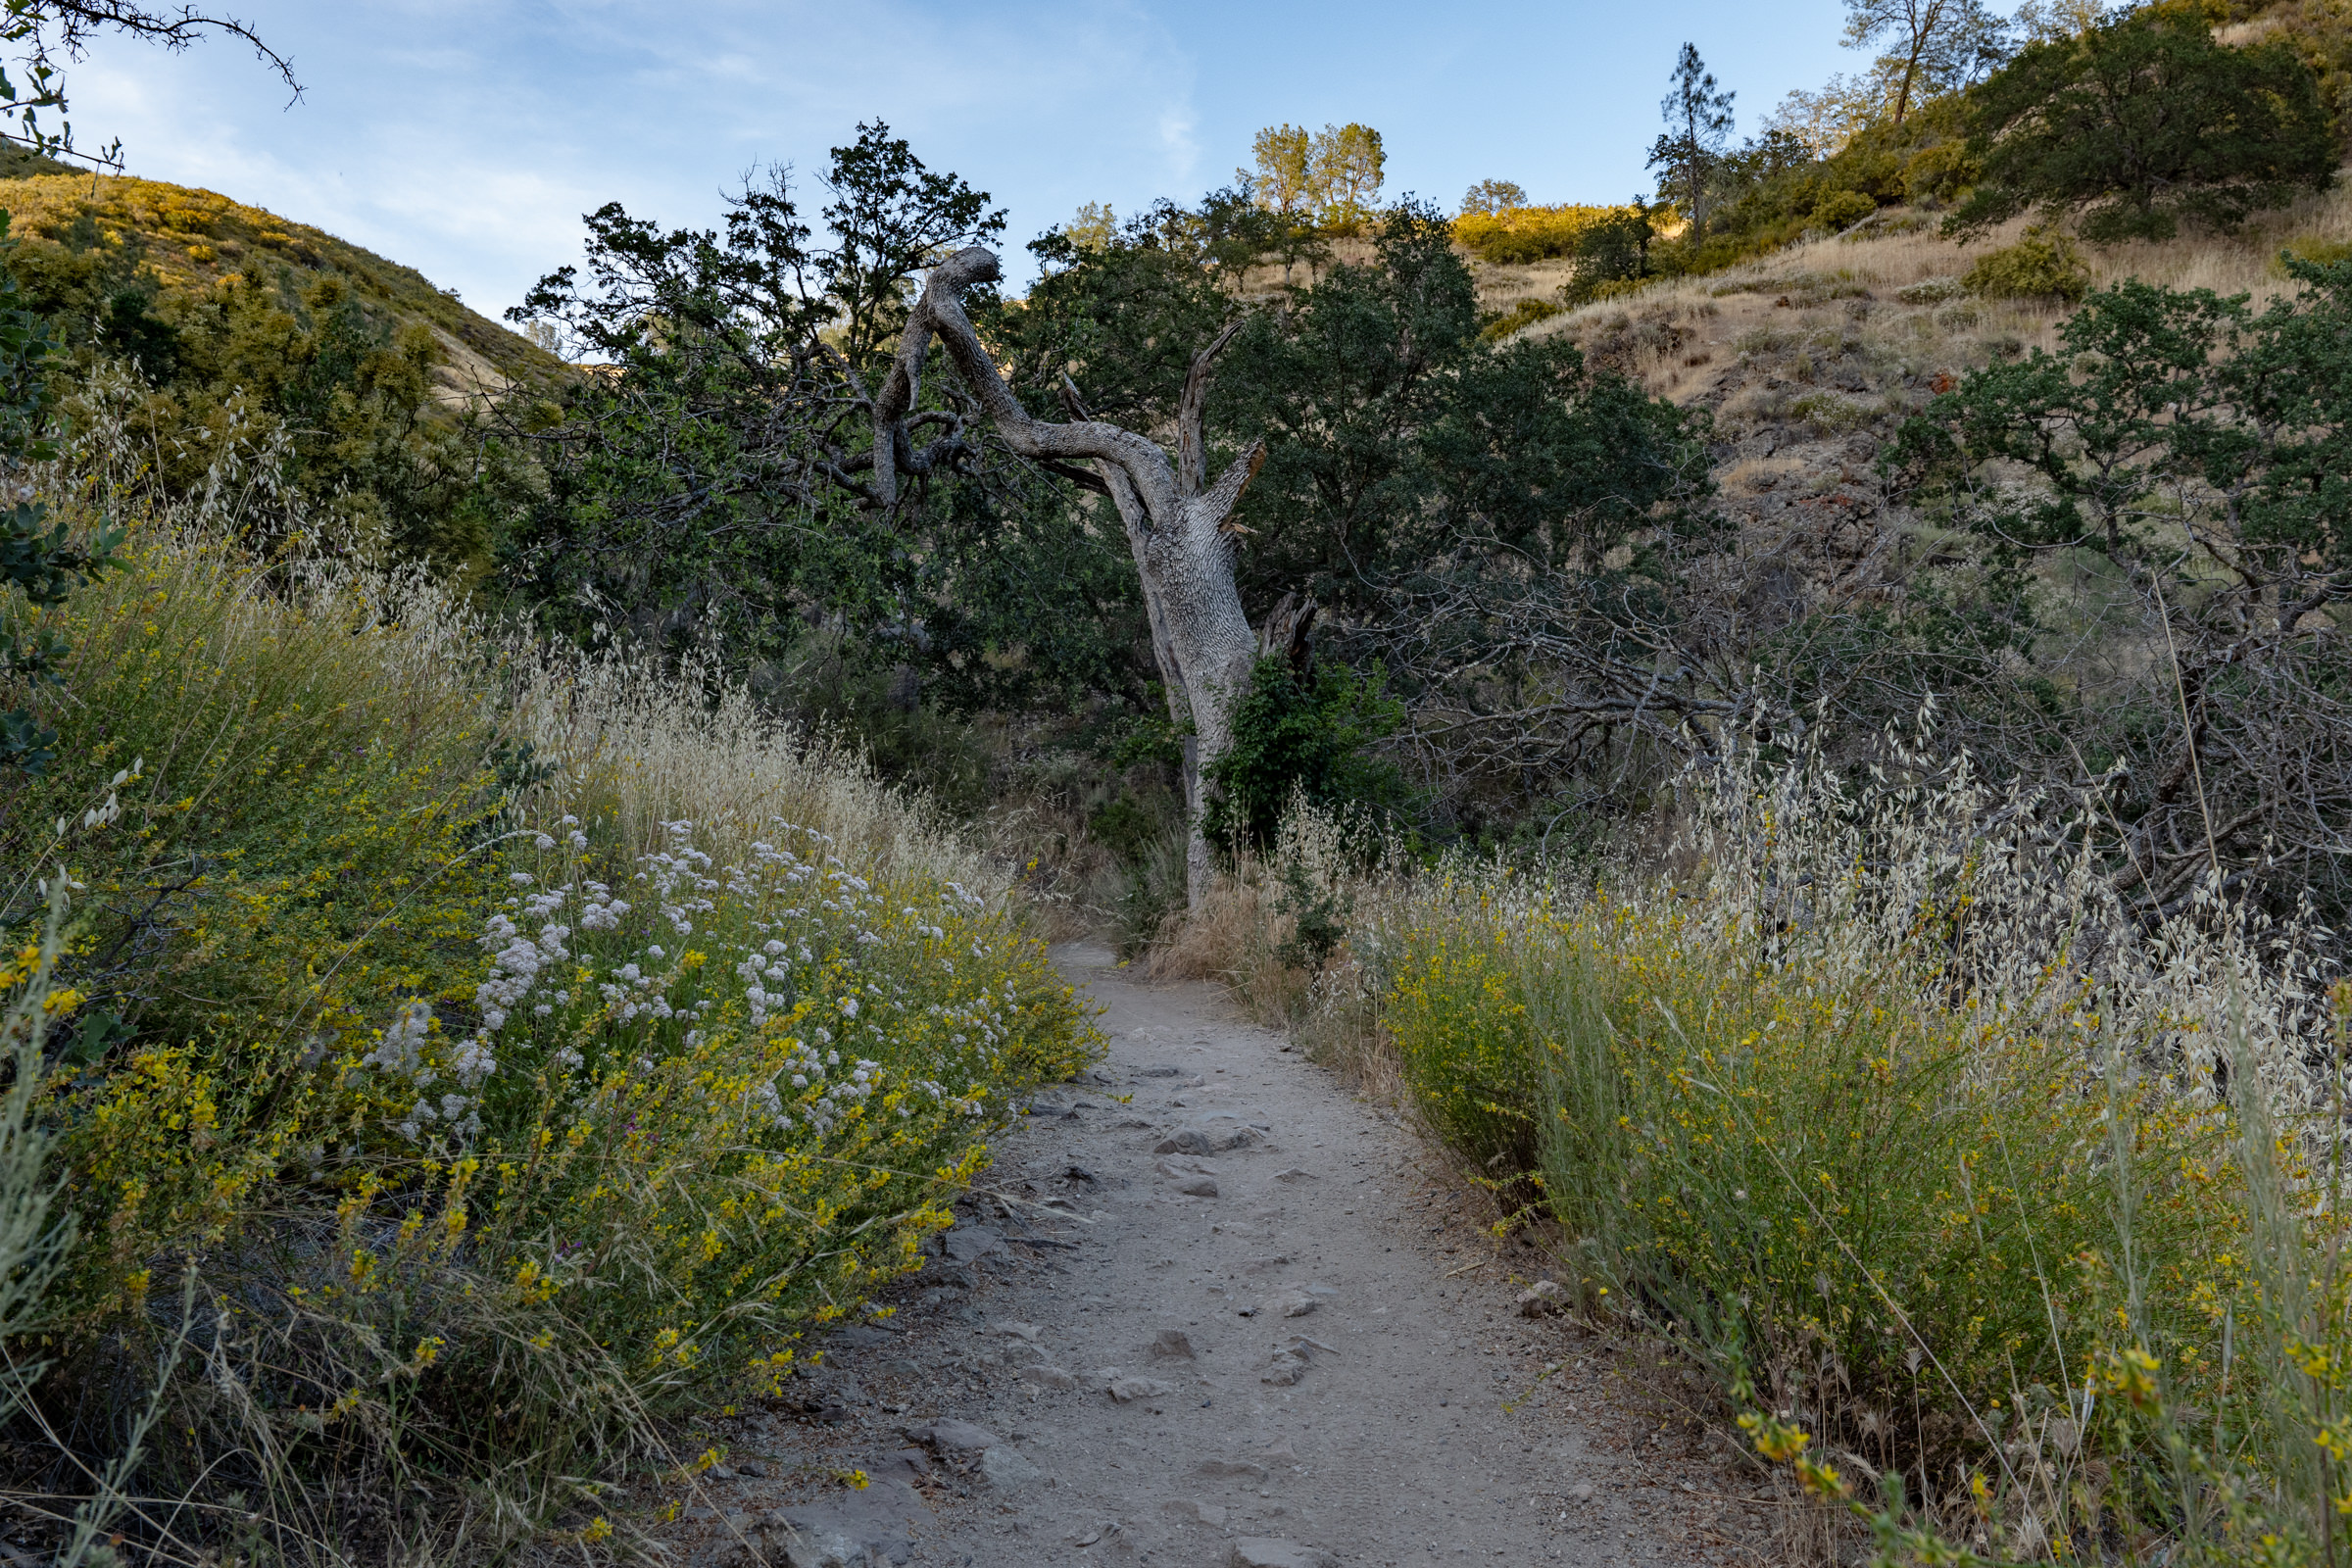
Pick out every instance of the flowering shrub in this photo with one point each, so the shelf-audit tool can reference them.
(1888, 1107)
(1525, 234)
(498, 1049)
(730, 1104)
(1827, 1180)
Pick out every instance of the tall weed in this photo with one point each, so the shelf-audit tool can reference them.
(1995, 1201)
(496, 1051)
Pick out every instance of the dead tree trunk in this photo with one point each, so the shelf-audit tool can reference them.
(1176, 521)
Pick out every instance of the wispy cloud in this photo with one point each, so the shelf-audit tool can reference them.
(467, 139)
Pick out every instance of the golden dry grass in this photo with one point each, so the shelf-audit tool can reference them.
(639, 744)
(1716, 312)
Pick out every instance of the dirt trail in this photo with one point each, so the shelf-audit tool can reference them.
(1287, 1344)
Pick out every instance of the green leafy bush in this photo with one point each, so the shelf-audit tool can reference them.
(1522, 314)
(40, 563)
(1843, 209)
(2313, 249)
(2142, 122)
(2042, 264)
(1303, 736)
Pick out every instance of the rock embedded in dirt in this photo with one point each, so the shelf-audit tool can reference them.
(1542, 1297)
(1295, 1174)
(966, 1242)
(1261, 1551)
(1041, 1375)
(1172, 1343)
(955, 1436)
(1126, 1388)
(1207, 1135)
(1297, 1303)
(1020, 1331)
(1192, 1512)
(1006, 1469)
(1199, 1187)
(1283, 1369)
(849, 1531)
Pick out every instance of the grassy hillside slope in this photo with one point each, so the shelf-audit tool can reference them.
(187, 241)
(1810, 357)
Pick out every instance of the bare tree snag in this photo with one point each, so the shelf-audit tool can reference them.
(1175, 518)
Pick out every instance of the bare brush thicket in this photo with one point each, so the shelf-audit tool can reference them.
(1818, 599)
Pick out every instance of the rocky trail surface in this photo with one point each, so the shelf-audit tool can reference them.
(1208, 1308)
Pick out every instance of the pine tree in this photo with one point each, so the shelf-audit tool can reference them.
(1699, 122)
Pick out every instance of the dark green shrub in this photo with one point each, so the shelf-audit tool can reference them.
(2143, 122)
(2042, 264)
(1525, 313)
(1613, 250)
(910, 741)
(1843, 209)
(1151, 888)
(1303, 734)
(1318, 918)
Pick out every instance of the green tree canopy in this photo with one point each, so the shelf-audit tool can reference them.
(1349, 166)
(2144, 121)
(1699, 122)
(1494, 196)
(2197, 451)
(1935, 47)
(1402, 444)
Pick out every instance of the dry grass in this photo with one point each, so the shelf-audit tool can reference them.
(640, 747)
(1840, 284)
(1246, 937)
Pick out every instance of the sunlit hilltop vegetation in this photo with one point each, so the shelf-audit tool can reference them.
(87, 238)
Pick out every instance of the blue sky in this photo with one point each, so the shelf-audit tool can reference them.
(466, 139)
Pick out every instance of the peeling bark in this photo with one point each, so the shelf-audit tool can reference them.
(1175, 519)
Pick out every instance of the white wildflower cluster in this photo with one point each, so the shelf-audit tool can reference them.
(792, 936)
(862, 1081)
(678, 879)
(402, 1054)
(599, 910)
(402, 1049)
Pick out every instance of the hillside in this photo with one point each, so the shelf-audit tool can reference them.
(184, 241)
(1809, 358)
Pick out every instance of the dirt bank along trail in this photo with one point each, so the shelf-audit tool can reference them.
(1209, 1309)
